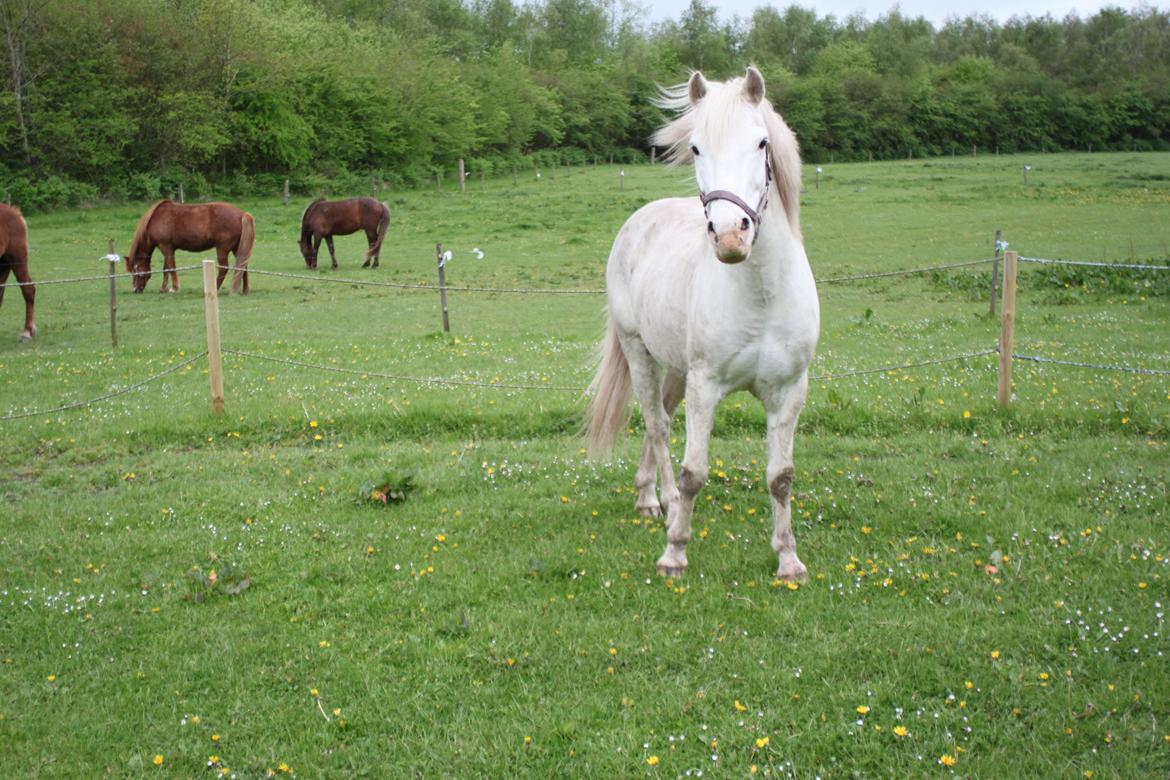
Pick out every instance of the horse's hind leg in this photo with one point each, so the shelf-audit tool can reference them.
(170, 275)
(332, 254)
(783, 410)
(371, 256)
(29, 290)
(648, 503)
(221, 265)
(646, 378)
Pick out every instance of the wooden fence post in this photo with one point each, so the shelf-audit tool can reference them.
(462, 177)
(211, 316)
(182, 196)
(442, 285)
(994, 275)
(112, 258)
(1007, 328)
(286, 192)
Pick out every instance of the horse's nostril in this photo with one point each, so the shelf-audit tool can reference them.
(743, 225)
(710, 227)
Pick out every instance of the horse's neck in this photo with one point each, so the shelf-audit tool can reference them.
(778, 252)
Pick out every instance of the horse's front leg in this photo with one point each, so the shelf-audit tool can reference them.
(783, 409)
(703, 395)
(332, 254)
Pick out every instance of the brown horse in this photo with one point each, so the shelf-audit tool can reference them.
(14, 258)
(329, 218)
(195, 228)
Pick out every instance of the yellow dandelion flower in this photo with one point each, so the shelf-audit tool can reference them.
(968, 685)
(995, 655)
(52, 678)
(863, 710)
(314, 693)
(900, 731)
(652, 760)
(762, 742)
(158, 760)
(739, 706)
(947, 759)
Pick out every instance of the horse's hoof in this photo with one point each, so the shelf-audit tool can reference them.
(666, 570)
(25, 337)
(649, 510)
(792, 573)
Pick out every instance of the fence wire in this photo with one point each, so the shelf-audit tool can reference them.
(422, 286)
(101, 278)
(1101, 367)
(107, 396)
(939, 361)
(906, 272)
(401, 377)
(1084, 263)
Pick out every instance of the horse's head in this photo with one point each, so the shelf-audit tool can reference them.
(723, 129)
(308, 252)
(140, 267)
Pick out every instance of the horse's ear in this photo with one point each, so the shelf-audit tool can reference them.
(753, 85)
(698, 87)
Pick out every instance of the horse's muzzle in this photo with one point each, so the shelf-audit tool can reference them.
(732, 247)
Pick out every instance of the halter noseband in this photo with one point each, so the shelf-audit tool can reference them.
(753, 214)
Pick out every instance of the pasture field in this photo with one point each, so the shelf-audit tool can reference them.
(192, 595)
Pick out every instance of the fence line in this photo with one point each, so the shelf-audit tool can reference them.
(102, 278)
(107, 396)
(402, 378)
(1126, 369)
(907, 272)
(423, 286)
(571, 388)
(939, 361)
(1084, 263)
(502, 290)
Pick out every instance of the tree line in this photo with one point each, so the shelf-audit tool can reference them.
(126, 98)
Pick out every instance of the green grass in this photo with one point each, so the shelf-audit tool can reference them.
(505, 619)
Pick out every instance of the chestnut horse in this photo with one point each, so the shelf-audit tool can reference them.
(329, 218)
(169, 226)
(14, 258)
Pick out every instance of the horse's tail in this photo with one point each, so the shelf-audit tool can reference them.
(244, 251)
(383, 226)
(140, 235)
(609, 395)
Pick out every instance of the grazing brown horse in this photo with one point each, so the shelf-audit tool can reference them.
(329, 218)
(14, 258)
(194, 228)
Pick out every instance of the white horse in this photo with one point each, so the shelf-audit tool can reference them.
(708, 296)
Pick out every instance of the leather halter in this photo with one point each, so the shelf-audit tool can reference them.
(753, 214)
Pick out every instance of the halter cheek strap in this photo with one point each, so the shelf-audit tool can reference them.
(753, 214)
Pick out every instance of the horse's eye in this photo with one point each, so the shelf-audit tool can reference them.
(764, 143)
(694, 150)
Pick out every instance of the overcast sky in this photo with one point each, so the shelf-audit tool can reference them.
(936, 11)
